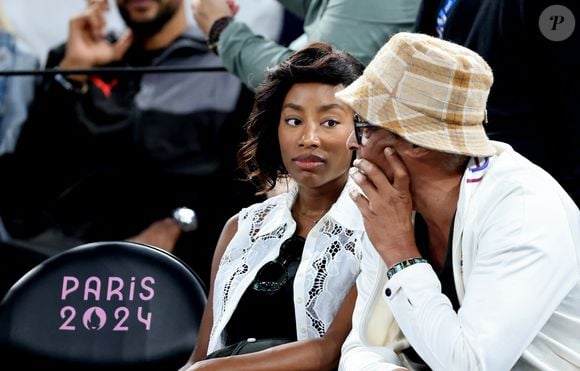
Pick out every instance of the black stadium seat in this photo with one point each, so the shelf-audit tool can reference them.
(103, 306)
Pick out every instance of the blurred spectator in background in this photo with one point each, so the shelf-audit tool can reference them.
(357, 27)
(532, 48)
(110, 156)
(15, 92)
(42, 25)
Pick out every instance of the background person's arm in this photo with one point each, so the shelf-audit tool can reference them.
(360, 29)
(200, 350)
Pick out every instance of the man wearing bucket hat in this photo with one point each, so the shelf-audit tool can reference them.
(476, 258)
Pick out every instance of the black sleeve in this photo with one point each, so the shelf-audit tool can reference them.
(427, 17)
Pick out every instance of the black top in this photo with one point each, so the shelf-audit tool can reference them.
(445, 275)
(263, 315)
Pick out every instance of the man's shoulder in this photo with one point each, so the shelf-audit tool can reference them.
(55, 55)
(191, 37)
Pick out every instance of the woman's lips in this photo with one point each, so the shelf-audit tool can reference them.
(308, 162)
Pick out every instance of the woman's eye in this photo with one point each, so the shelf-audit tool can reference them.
(293, 122)
(330, 123)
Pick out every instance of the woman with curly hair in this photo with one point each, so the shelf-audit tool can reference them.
(284, 269)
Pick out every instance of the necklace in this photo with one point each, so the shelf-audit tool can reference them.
(314, 218)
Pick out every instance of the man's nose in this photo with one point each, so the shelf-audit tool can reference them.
(351, 142)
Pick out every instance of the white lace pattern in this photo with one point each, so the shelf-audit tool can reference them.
(328, 269)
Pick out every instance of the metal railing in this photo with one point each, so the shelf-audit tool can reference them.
(111, 71)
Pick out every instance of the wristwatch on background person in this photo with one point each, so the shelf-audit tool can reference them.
(215, 31)
(72, 85)
(185, 218)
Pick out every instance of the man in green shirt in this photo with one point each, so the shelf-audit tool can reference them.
(359, 27)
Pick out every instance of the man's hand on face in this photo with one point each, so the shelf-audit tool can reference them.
(386, 207)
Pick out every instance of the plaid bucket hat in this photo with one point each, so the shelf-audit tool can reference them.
(431, 92)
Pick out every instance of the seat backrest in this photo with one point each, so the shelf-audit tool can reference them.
(105, 305)
(17, 259)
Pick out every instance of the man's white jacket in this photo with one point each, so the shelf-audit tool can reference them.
(516, 263)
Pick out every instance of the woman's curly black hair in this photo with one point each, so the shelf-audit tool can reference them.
(259, 156)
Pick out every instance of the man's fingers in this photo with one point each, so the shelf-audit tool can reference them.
(101, 4)
(234, 6)
(122, 45)
(374, 174)
(91, 22)
(97, 25)
(361, 179)
(400, 174)
(359, 199)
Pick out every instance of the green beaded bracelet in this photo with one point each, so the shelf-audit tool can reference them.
(404, 264)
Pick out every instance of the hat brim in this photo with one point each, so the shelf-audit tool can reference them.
(381, 108)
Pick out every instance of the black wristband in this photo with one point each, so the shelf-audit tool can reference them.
(215, 31)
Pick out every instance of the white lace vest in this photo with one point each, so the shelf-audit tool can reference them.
(328, 269)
